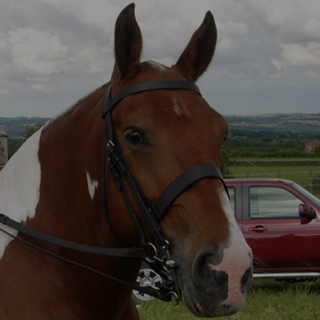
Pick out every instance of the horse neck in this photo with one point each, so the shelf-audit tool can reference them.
(53, 182)
(70, 155)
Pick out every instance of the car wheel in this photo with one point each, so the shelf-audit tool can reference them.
(146, 278)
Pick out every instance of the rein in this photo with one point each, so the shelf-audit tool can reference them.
(162, 294)
(152, 213)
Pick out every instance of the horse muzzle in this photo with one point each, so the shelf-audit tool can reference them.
(216, 284)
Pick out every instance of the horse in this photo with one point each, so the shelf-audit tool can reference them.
(129, 172)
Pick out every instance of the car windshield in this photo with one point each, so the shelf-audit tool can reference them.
(308, 194)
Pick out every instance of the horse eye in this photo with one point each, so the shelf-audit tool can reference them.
(135, 138)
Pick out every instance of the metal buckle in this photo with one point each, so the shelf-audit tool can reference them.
(154, 257)
(170, 267)
(110, 147)
(175, 299)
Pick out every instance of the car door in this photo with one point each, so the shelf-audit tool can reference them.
(235, 198)
(280, 240)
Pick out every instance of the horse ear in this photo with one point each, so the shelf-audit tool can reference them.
(127, 43)
(198, 54)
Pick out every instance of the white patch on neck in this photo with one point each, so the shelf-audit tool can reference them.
(156, 65)
(20, 186)
(176, 108)
(92, 185)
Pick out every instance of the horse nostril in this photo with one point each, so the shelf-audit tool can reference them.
(215, 282)
(213, 260)
(246, 280)
(201, 265)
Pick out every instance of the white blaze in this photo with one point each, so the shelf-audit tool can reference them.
(92, 185)
(176, 108)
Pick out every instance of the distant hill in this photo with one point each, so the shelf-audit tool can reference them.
(295, 123)
(15, 127)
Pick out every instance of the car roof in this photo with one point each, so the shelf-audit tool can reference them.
(262, 180)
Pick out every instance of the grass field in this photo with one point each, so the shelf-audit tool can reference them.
(267, 300)
(300, 174)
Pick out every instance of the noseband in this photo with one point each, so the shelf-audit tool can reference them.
(153, 213)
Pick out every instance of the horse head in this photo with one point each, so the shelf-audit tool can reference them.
(164, 143)
(163, 133)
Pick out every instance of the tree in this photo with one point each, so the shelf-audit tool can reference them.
(15, 144)
(226, 162)
(30, 129)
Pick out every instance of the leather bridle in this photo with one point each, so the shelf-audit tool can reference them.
(152, 213)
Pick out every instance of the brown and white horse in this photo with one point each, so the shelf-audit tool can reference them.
(53, 184)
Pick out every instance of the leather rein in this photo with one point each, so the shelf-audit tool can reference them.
(152, 212)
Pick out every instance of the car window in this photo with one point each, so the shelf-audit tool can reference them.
(307, 194)
(273, 202)
(232, 192)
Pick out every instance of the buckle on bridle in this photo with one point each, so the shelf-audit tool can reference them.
(115, 164)
(152, 258)
(110, 147)
(169, 266)
(175, 298)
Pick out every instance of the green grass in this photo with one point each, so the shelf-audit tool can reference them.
(267, 300)
(280, 159)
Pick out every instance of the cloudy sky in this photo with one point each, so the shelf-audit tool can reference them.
(53, 52)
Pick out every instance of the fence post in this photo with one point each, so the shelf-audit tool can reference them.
(311, 179)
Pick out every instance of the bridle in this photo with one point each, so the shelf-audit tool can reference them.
(152, 212)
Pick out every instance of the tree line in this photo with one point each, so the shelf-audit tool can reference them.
(262, 144)
(15, 144)
(242, 144)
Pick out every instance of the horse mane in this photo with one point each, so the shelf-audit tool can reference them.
(86, 101)
(100, 90)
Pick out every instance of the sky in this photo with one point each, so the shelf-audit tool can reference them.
(267, 59)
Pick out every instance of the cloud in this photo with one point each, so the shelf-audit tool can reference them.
(44, 48)
(64, 48)
(302, 55)
(311, 29)
(37, 54)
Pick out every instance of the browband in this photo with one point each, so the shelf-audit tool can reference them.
(146, 86)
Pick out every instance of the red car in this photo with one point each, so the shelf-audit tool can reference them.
(281, 223)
